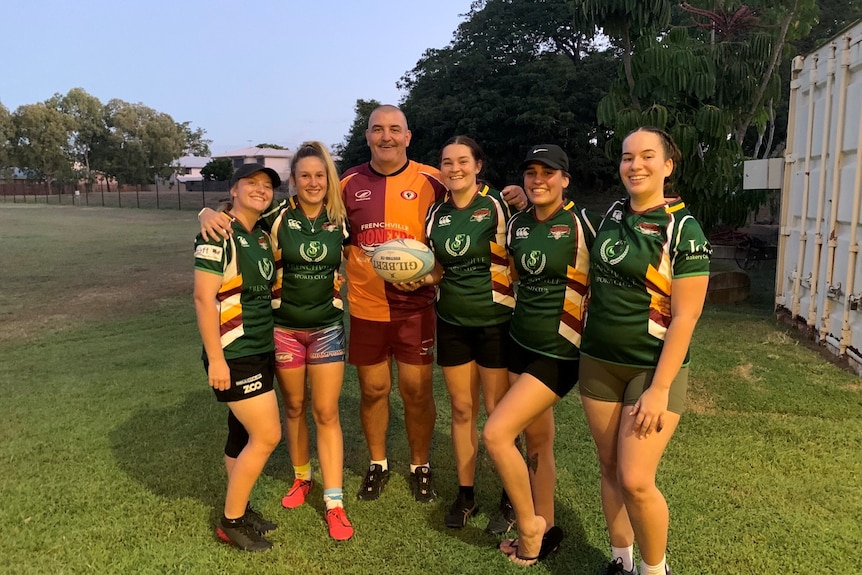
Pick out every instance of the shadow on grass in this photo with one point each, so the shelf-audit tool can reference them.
(175, 451)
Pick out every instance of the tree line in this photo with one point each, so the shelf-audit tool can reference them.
(75, 137)
(583, 73)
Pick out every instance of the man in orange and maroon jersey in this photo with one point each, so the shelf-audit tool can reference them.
(388, 198)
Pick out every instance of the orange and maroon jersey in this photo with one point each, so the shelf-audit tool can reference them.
(382, 208)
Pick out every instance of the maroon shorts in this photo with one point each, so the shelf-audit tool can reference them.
(409, 340)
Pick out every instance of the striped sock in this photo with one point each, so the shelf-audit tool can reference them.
(302, 472)
(333, 497)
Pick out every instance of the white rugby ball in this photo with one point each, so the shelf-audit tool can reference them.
(402, 260)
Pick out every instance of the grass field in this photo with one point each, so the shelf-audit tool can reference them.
(111, 442)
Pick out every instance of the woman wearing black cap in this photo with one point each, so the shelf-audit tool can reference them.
(549, 244)
(233, 279)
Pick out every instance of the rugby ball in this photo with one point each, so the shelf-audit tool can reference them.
(402, 260)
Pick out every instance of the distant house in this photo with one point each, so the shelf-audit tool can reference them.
(278, 160)
(188, 168)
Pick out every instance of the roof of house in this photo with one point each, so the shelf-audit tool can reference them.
(192, 161)
(254, 152)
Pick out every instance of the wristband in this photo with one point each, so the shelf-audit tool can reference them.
(200, 212)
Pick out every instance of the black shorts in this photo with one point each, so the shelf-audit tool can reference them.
(249, 376)
(558, 375)
(456, 345)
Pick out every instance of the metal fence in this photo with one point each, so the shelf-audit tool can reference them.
(151, 197)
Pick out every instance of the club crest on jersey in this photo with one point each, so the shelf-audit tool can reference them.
(294, 224)
(313, 251)
(261, 241)
(362, 195)
(480, 215)
(242, 241)
(648, 229)
(458, 245)
(265, 267)
(409, 195)
(560, 231)
(522, 232)
(614, 253)
(329, 227)
(617, 216)
(534, 262)
(444, 220)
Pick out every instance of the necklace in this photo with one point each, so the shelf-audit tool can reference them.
(314, 223)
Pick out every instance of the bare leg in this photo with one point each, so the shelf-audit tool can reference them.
(542, 466)
(420, 413)
(294, 396)
(603, 418)
(325, 380)
(462, 381)
(375, 384)
(259, 415)
(526, 400)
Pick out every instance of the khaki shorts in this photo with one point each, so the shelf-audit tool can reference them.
(605, 381)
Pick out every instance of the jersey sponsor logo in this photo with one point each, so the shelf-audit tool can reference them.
(560, 231)
(522, 232)
(284, 356)
(369, 239)
(265, 267)
(251, 384)
(329, 227)
(261, 241)
(534, 262)
(648, 229)
(409, 195)
(613, 254)
(242, 241)
(313, 252)
(617, 216)
(294, 224)
(426, 347)
(458, 245)
(480, 214)
(362, 195)
(209, 253)
(444, 220)
(698, 251)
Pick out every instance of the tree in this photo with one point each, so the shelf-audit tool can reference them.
(271, 146)
(6, 134)
(40, 136)
(87, 120)
(354, 150)
(195, 142)
(218, 169)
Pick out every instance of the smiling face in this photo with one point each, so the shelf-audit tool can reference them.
(544, 185)
(253, 193)
(459, 168)
(309, 179)
(388, 138)
(644, 167)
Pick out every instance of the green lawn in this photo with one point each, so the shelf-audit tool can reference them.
(111, 442)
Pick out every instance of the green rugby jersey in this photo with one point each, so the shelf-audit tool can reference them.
(470, 245)
(307, 255)
(634, 260)
(552, 261)
(245, 263)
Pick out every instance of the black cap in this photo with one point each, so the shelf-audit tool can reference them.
(551, 155)
(247, 170)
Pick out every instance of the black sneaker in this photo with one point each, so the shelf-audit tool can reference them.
(422, 485)
(462, 510)
(257, 521)
(615, 567)
(504, 520)
(373, 484)
(240, 533)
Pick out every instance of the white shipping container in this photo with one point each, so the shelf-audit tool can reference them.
(818, 285)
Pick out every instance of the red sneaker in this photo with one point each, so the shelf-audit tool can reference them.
(296, 494)
(340, 528)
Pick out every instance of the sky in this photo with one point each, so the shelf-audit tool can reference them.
(270, 71)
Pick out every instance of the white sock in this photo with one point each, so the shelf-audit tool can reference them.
(414, 467)
(627, 554)
(654, 569)
(384, 463)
